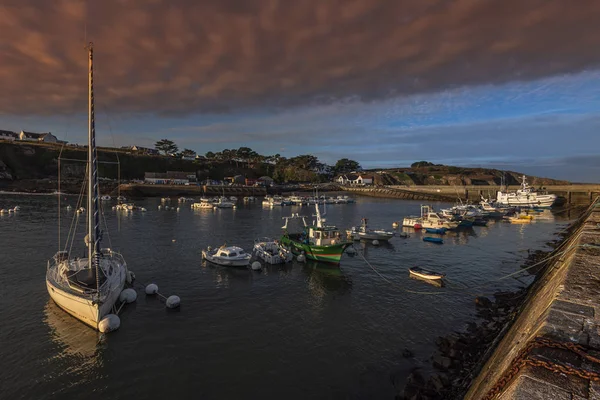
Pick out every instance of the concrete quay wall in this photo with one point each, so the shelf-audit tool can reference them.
(552, 350)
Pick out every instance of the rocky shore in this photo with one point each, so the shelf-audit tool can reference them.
(460, 355)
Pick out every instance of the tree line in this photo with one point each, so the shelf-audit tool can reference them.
(299, 168)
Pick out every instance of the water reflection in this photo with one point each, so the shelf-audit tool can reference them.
(79, 345)
(224, 276)
(323, 279)
(433, 282)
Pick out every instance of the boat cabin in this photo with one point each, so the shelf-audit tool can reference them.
(325, 236)
(429, 215)
(230, 252)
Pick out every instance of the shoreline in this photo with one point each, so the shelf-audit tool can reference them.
(460, 355)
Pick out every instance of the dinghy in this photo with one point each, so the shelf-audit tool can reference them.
(433, 239)
(439, 231)
(425, 273)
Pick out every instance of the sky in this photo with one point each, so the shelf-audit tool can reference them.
(489, 83)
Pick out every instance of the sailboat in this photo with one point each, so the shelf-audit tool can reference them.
(88, 287)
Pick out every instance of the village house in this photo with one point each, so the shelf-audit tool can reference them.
(8, 135)
(143, 150)
(354, 179)
(39, 137)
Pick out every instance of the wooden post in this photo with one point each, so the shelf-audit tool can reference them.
(569, 197)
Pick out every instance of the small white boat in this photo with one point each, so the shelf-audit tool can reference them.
(229, 256)
(185, 199)
(224, 203)
(121, 198)
(249, 199)
(204, 204)
(3, 211)
(165, 200)
(106, 198)
(233, 198)
(364, 232)
(17, 208)
(425, 273)
(271, 251)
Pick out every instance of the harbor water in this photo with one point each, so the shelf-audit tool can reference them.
(291, 331)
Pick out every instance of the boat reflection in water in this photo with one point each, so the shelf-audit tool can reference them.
(433, 282)
(325, 279)
(79, 346)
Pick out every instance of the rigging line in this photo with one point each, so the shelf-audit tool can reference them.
(73, 227)
(115, 149)
(393, 283)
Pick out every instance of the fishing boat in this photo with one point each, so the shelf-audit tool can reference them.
(228, 256)
(431, 219)
(439, 231)
(318, 241)
(272, 251)
(433, 239)
(364, 232)
(425, 273)
(88, 287)
(412, 221)
(526, 196)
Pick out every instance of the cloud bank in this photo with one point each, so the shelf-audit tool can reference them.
(184, 57)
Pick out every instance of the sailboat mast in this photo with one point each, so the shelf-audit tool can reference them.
(93, 203)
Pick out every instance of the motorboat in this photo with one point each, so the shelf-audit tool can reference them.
(249, 199)
(412, 221)
(228, 256)
(203, 204)
(433, 239)
(89, 287)
(272, 251)
(224, 203)
(106, 198)
(272, 201)
(366, 233)
(121, 198)
(526, 196)
(425, 273)
(185, 199)
(165, 199)
(128, 207)
(431, 219)
(233, 198)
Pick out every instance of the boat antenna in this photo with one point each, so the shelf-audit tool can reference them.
(93, 240)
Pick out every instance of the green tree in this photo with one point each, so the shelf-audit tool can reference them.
(304, 161)
(346, 165)
(188, 153)
(210, 155)
(166, 146)
(420, 164)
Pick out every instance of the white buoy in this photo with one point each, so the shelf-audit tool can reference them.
(177, 209)
(351, 250)
(111, 322)
(395, 224)
(128, 296)
(173, 301)
(142, 209)
(152, 289)
(10, 210)
(234, 207)
(159, 207)
(375, 242)
(173, 240)
(256, 266)
(301, 257)
(113, 207)
(17, 208)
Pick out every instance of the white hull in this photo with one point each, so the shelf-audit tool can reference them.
(226, 263)
(411, 221)
(272, 253)
(426, 276)
(375, 235)
(546, 200)
(83, 308)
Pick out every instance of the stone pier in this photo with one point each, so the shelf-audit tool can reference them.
(552, 350)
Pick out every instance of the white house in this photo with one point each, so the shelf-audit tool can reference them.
(38, 137)
(7, 135)
(354, 179)
(364, 180)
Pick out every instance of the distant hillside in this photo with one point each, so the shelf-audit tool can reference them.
(454, 176)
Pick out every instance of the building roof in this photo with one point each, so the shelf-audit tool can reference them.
(33, 135)
(8, 133)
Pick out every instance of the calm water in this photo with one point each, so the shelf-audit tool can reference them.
(295, 331)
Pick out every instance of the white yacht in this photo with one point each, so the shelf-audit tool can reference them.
(88, 287)
(526, 196)
(224, 203)
(229, 256)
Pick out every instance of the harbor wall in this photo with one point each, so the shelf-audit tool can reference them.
(144, 190)
(549, 351)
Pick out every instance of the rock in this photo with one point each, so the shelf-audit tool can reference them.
(483, 302)
(437, 383)
(407, 353)
(441, 362)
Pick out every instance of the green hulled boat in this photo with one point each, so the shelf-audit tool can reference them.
(318, 242)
